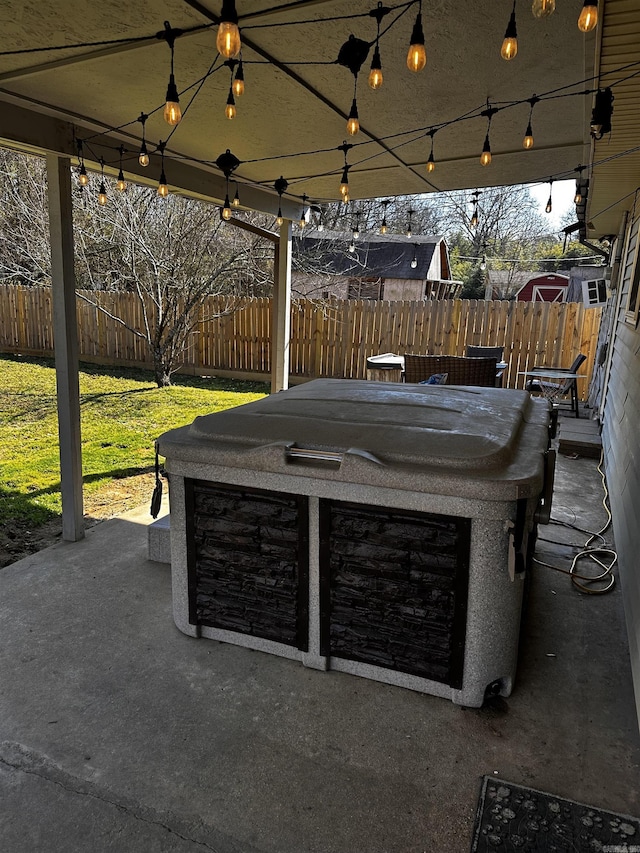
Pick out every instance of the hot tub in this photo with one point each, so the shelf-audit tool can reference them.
(375, 528)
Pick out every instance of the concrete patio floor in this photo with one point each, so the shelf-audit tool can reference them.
(119, 733)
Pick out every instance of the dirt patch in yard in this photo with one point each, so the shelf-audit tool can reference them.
(18, 540)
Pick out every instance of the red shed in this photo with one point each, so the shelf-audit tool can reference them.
(551, 287)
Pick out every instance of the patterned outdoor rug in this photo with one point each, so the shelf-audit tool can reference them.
(513, 819)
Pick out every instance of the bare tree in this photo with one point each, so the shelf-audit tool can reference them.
(172, 253)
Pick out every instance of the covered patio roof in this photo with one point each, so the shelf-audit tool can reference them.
(297, 96)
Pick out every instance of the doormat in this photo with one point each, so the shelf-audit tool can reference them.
(513, 819)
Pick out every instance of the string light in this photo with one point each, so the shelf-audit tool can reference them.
(344, 182)
(172, 112)
(485, 157)
(375, 73)
(411, 211)
(226, 210)
(356, 230)
(473, 222)
(143, 155)
(321, 221)
(431, 163)
(163, 189)
(238, 82)
(102, 191)
(543, 8)
(588, 18)
(280, 186)
(383, 224)
(509, 47)
(121, 184)
(236, 198)
(414, 259)
(83, 178)
(417, 55)
(228, 40)
(230, 109)
(549, 205)
(527, 142)
(577, 199)
(303, 215)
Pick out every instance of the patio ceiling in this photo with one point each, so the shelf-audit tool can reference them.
(290, 108)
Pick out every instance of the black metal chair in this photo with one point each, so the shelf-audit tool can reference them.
(554, 391)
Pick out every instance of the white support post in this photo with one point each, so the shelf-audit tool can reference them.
(281, 312)
(65, 336)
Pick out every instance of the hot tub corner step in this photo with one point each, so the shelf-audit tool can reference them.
(159, 540)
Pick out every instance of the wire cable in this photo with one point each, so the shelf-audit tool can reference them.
(589, 552)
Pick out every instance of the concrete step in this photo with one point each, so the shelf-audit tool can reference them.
(159, 540)
(579, 436)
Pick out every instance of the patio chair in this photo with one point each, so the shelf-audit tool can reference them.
(555, 391)
(459, 370)
(487, 352)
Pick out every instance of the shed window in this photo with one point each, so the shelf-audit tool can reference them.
(366, 288)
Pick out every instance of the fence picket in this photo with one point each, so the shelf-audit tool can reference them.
(330, 339)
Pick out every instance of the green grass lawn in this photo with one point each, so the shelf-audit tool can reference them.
(122, 413)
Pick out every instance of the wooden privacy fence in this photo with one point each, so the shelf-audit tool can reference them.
(330, 339)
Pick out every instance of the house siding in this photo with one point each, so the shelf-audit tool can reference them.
(621, 418)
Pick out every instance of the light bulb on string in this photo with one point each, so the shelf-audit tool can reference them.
(121, 184)
(353, 123)
(375, 74)
(344, 182)
(509, 47)
(588, 18)
(303, 215)
(414, 259)
(473, 222)
(143, 154)
(383, 224)
(417, 55)
(549, 205)
(102, 190)
(163, 189)
(409, 222)
(577, 199)
(543, 8)
(352, 246)
(238, 81)
(236, 198)
(431, 163)
(527, 142)
(83, 178)
(280, 186)
(172, 112)
(226, 210)
(321, 221)
(228, 40)
(230, 109)
(485, 157)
